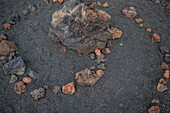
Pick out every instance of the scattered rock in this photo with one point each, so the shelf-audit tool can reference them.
(115, 33)
(6, 47)
(25, 12)
(129, 12)
(164, 65)
(98, 52)
(7, 26)
(155, 38)
(166, 74)
(154, 109)
(158, 1)
(56, 90)
(15, 66)
(32, 74)
(68, 88)
(105, 5)
(13, 79)
(149, 30)
(168, 6)
(162, 81)
(86, 77)
(19, 87)
(92, 56)
(59, 1)
(32, 7)
(161, 87)
(27, 80)
(100, 72)
(98, 3)
(3, 37)
(92, 67)
(100, 59)
(164, 50)
(167, 58)
(46, 1)
(155, 101)
(63, 49)
(109, 44)
(107, 50)
(141, 25)
(101, 66)
(38, 93)
(2, 57)
(81, 30)
(138, 20)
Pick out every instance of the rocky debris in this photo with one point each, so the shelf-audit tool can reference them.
(115, 33)
(3, 37)
(13, 79)
(101, 66)
(33, 7)
(19, 87)
(155, 101)
(164, 50)
(166, 74)
(46, 1)
(105, 5)
(97, 52)
(154, 109)
(109, 44)
(63, 49)
(100, 72)
(6, 47)
(141, 25)
(25, 12)
(155, 38)
(86, 77)
(107, 50)
(100, 59)
(98, 3)
(7, 26)
(149, 30)
(68, 88)
(59, 1)
(164, 65)
(92, 56)
(168, 7)
(32, 74)
(56, 90)
(79, 27)
(2, 57)
(129, 12)
(37, 93)
(26, 80)
(167, 58)
(138, 20)
(161, 87)
(92, 67)
(15, 66)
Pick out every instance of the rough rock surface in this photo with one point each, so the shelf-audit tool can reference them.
(68, 88)
(56, 90)
(19, 87)
(80, 27)
(86, 77)
(15, 66)
(13, 78)
(38, 93)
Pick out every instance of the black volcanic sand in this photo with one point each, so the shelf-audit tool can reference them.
(132, 70)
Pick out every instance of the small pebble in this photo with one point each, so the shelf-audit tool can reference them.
(13, 78)
(149, 30)
(105, 5)
(166, 74)
(155, 38)
(101, 66)
(141, 25)
(92, 56)
(164, 65)
(138, 20)
(100, 72)
(25, 12)
(3, 37)
(27, 80)
(57, 90)
(98, 52)
(7, 26)
(98, 3)
(167, 58)
(164, 50)
(155, 101)
(109, 44)
(92, 67)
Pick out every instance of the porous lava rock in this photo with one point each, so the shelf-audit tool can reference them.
(80, 27)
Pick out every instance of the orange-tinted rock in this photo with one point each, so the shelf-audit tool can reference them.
(98, 52)
(168, 6)
(129, 12)
(105, 5)
(138, 20)
(161, 87)
(59, 1)
(68, 88)
(7, 26)
(100, 72)
(98, 3)
(164, 65)
(155, 38)
(166, 74)
(19, 87)
(6, 47)
(37, 93)
(27, 80)
(63, 49)
(3, 37)
(92, 67)
(154, 109)
(56, 90)
(115, 33)
(103, 15)
(149, 30)
(107, 50)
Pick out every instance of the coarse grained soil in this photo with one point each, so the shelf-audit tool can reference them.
(131, 74)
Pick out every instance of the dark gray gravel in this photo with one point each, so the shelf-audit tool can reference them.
(131, 74)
